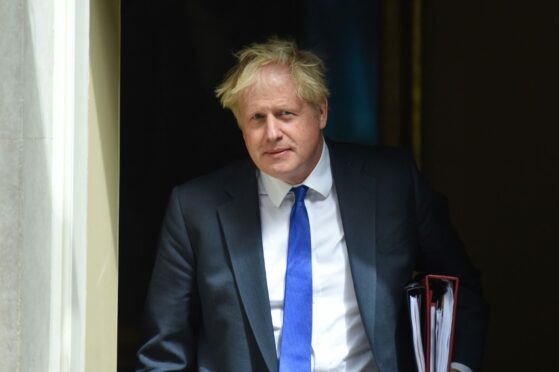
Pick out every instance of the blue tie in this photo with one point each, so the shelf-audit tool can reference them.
(295, 353)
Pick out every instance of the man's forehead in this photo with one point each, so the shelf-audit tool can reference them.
(273, 85)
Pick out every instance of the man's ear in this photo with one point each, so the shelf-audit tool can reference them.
(323, 113)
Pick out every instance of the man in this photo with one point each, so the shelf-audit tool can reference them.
(297, 260)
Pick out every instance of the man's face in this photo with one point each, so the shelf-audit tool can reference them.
(282, 132)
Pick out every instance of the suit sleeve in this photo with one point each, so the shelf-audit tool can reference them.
(172, 302)
(442, 252)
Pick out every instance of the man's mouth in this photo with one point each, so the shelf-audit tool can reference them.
(277, 152)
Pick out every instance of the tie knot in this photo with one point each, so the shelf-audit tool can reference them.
(300, 192)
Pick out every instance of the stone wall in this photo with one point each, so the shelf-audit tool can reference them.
(26, 63)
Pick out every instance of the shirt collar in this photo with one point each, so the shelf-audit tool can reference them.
(320, 180)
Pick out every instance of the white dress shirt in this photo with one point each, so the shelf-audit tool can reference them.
(339, 342)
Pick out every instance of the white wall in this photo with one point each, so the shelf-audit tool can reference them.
(26, 65)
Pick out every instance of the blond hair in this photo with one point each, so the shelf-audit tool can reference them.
(307, 70)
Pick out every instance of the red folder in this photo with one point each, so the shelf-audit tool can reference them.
(428, 301)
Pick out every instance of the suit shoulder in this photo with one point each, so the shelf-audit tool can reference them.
(375, 159)
(210, 188)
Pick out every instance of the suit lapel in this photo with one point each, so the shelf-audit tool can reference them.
(356, 197)
(240, 222)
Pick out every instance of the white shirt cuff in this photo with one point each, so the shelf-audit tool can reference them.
(460, 367)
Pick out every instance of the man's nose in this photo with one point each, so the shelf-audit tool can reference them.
(273, 132)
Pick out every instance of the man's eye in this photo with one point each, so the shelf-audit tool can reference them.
(258, 117)
(286, 113)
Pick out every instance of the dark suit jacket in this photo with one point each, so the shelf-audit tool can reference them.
(208, 306)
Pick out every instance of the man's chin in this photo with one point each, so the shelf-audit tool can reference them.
(281, 173)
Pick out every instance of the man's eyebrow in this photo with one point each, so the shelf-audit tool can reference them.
(254, 114)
